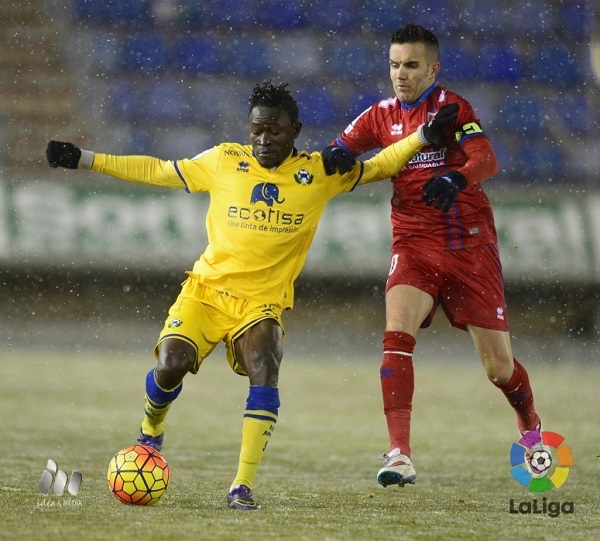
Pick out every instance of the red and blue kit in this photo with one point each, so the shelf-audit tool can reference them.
(429, 245)
(470, 221)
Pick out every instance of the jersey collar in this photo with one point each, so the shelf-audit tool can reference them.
(423, 97)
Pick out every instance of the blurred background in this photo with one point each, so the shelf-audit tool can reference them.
(88, 262)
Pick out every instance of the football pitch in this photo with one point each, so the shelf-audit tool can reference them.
(317, 479)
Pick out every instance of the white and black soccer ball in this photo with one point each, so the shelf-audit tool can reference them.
(540, 462)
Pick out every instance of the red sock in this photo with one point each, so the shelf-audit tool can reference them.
(397, 386)
(520, 396)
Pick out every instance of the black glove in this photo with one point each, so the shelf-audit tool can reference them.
(63, 154)
(442, 191)
(337, 158)
(433, 130)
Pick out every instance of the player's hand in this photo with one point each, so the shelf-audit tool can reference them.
(337, 159)
(441, 191)
(63, 154)
(433, 130)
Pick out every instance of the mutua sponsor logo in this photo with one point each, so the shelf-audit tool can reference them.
(424, 159)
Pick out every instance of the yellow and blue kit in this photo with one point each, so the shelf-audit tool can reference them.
(260, 222)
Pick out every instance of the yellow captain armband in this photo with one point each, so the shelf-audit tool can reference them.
(468, 129)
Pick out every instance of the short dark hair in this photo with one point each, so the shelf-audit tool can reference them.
(413, 33)
(270, 95)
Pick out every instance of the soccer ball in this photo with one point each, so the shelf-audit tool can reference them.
(540, 462)
(138, 475)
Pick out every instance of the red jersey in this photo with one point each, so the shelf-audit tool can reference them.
(470, 221)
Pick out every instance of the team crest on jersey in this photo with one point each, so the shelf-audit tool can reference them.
(303, 177)
(175, 323)
(397, 129)
(243, 167)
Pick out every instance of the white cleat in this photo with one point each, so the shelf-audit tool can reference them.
(398, 470)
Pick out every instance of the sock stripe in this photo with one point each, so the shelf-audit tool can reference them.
(261, 416)
(404, 353)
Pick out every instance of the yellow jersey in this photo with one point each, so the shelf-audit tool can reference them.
(260, 222)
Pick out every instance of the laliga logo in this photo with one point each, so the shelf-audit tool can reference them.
(540, 461)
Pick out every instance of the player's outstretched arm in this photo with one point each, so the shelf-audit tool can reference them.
(138, 169)
(391, 160)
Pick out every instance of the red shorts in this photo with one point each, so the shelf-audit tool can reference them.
(467, 283)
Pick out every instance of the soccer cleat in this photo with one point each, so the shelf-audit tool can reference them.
(240, 498)
(398, 470)
(155, 442)
(537, 457)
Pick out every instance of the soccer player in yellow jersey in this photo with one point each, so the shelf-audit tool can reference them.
(266, 200)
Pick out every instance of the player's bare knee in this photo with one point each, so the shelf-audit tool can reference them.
(176, 359)
(500, 375)
(263, 370)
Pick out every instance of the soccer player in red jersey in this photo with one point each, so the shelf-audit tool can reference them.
(444, 249)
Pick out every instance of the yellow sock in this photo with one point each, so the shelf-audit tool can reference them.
(153, 423)
(255, 436)
(156, 405)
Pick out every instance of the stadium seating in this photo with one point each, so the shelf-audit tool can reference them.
(144, 52)
(557, 65)
(194, 63)
(459, 63)
(317, 107)
(576, 19)
(248, 57)
(540, 161)
(166, 103)
(280, 15)
(531, 19)
(522, 114)
(499, 62)
(198, 54)
(125, 103)
(335, 15)
(351, 59)
(573, 114)
(484, 18)
(128, 12)
(382, 16)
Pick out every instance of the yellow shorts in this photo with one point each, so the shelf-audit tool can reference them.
(203, 316)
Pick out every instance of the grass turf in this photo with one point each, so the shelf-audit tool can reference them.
(317, 479)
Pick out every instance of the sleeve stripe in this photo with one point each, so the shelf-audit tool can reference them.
(362, 170)
(181, 176)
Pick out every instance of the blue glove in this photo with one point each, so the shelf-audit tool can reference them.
(441, 191)
(337, 158)
(63, 154)
(433, 130)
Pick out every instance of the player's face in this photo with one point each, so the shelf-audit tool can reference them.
(272, 135)
(412, 70)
